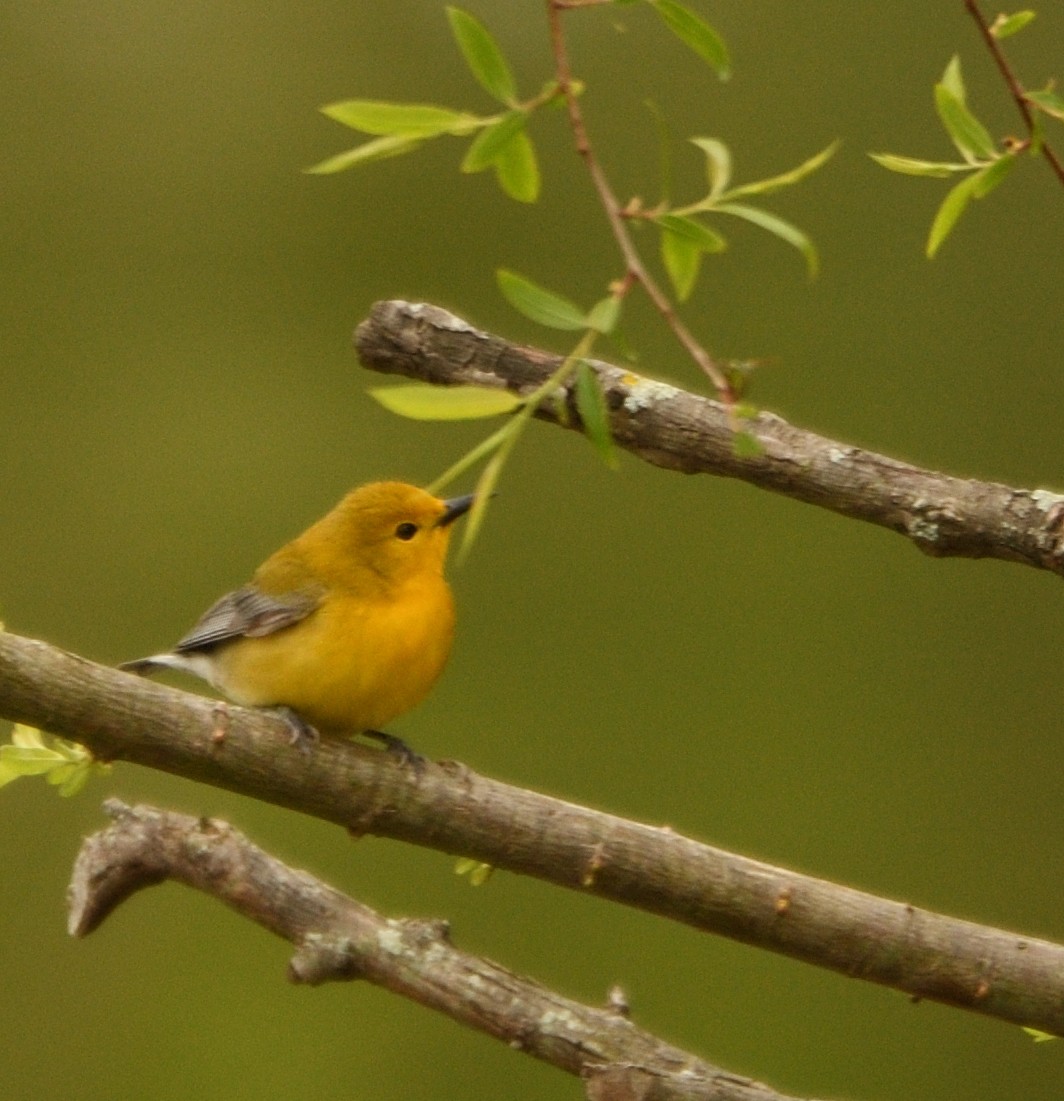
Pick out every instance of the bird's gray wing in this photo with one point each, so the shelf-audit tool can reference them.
(247, 612)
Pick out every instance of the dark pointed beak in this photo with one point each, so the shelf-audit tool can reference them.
(455, 507)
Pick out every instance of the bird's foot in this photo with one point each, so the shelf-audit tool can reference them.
(398, 748)
(300, 733)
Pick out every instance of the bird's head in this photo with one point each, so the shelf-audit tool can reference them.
(393, 530)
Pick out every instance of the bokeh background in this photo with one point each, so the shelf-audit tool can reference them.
(179, 397)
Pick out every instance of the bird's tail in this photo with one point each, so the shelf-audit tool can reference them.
(142, 666)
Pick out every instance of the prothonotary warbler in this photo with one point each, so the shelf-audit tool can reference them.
(343, 629)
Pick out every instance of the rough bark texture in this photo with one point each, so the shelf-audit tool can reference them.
(942, 515)
(337, 938)
(445, 806)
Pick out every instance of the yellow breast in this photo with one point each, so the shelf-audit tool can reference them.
(353, 664)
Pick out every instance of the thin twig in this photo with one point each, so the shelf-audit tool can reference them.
(1013, 82)
(447, 807)
(633, 262)
(339, 939)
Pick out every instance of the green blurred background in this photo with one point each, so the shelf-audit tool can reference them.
(180, 397)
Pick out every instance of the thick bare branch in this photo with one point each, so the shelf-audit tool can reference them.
(337, 938)
(942, 515)
(445, 806)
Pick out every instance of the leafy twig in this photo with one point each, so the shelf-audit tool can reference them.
(983, 166)
(1019, 94)
(501, 141)
(634, 266)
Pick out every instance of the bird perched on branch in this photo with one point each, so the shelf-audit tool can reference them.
(343, 629)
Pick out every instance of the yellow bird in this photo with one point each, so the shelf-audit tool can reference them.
(343, 629)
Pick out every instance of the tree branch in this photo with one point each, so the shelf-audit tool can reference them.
(447, 807)
(672, 428)
(339, 939)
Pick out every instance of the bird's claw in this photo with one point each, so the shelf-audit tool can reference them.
(398, 748)
(300, 733)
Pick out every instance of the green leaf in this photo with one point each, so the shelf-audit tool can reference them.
(412, 119)
(776, 225)
(63, 764)
(1048, 102)
(953, 80)
(490, 142)
(71, 751)
(967, 133)
(479, 872)
(507, 148)
(479, 875)
(682, 258)
(785, 179)
(445, 403)
(1038, 1035)
(696, 33)
(910, 166)
(77, 780)
(61, 773)
(953, 206)
(604, 315)
(28, 737)
(718, 164)
(683, 240)
(977, 185)
(540, 304)
(706, 239)
(516, 169)
(624, 347)
(29, 761)
(394, 145)
(483, 56)
(1005, 25)
(484, 490)
(591, 405)
(988, 178)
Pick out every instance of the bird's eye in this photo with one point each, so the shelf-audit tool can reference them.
(406, 530)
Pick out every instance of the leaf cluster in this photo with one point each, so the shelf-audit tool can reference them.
(687, 232)
(685, 237)
(500, 141)
(983, 165)
(65, 765)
